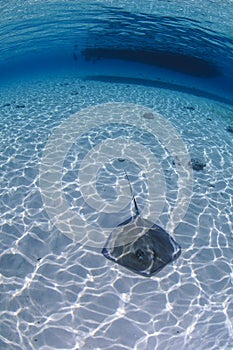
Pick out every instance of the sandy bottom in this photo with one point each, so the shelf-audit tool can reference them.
(59, 294)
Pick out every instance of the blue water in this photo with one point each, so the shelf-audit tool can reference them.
(196, 47)
(81, 74)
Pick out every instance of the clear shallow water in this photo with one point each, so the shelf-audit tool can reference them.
(58, 294)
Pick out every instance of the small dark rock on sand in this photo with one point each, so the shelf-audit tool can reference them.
(148, 115)
(197, 164)
(230, 128)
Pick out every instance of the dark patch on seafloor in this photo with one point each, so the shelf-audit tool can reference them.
(148, 115)
(190, 108)
(230, 129)
(197, 164)
(6, 105)
(20, 106)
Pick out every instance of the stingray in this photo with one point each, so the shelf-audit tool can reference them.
(141, 246)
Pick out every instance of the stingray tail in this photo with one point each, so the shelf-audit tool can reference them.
(131, 190)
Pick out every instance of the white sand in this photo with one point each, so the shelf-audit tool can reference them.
(58, 295)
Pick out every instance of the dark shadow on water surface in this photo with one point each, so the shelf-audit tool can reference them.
(182, 63)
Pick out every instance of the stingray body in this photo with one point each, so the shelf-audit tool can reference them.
(141, 246)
